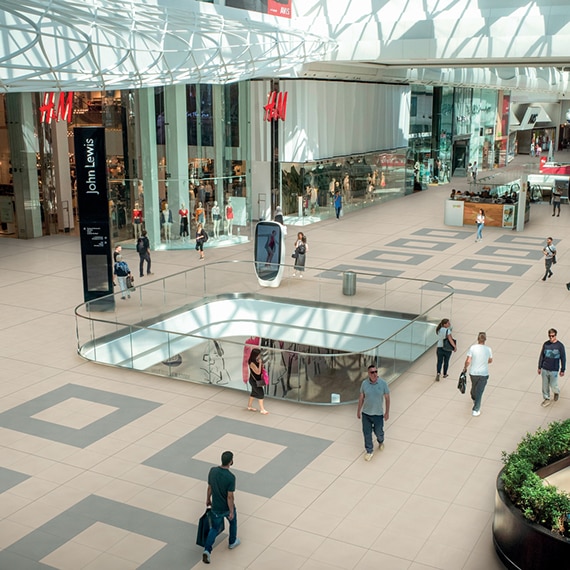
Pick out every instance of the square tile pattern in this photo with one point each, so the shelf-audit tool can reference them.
(297, 451)
(172, 542)
(25, 418)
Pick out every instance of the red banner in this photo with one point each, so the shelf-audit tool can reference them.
(280, 8)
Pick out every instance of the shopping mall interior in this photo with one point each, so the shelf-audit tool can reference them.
(222, 112)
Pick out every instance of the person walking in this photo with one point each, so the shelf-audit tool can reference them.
(122, 271)
(301, 248)
(374, 394)
(479, 357)
(556, 199)
(444, 349)
(475, 170)
(220, 497)
(256, 381)
(551, 360)
(337, 203)
(549, 251)
(480, 224)
(143, 249)
(201, 239)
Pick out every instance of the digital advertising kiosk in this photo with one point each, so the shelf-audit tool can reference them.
(269, 253)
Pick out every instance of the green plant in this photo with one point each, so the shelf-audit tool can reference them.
(540, 503)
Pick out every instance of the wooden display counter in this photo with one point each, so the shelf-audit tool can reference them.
(496, 215)
(464, 213)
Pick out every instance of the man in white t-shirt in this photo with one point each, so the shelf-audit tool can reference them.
(479, 357)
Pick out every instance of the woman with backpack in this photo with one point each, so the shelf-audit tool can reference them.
(301, 248)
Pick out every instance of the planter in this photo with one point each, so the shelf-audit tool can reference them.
(522, 544)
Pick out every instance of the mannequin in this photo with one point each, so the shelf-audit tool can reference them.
(314, 199)
(137, 220)
(216, 219)
(166, 221)
(183, 212)
(200, 214)
(346, 186)
(229, 216)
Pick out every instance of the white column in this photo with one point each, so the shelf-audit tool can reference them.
(149, 161)
(23, 147)
(60, 147)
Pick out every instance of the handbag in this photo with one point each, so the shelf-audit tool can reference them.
(294, 255)
(462, 382)
(204, 525)
(447, 345)
(130, 282)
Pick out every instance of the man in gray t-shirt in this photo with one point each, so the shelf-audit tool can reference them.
(374, 394)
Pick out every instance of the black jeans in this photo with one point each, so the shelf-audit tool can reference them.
(144, 257)
(443, 357)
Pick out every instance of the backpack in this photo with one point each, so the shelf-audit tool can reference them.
(301, 249)
(140, 246)
(205, 235)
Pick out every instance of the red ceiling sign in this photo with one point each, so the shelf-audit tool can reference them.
(279, 8)
(63, 111)
(276, 107)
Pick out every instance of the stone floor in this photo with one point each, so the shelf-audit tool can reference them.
(103, 468)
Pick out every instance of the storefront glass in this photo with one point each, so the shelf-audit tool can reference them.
(308, 189)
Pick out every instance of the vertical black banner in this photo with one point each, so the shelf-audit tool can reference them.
(92, 199)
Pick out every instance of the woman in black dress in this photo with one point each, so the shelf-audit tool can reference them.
(256, 381)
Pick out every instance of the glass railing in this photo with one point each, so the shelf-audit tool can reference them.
(201, 324)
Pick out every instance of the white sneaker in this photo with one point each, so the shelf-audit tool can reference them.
(368, 456)
(476, 413)
(545, 403)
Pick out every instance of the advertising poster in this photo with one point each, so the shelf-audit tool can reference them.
(281, 8)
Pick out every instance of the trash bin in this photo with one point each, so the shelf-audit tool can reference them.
(349, 283)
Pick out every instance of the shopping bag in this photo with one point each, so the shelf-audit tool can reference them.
(461, 385)
(203, 528)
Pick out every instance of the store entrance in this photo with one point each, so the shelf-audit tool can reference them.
(460, 155)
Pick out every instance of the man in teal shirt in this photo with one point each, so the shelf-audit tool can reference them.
(220, 496)
(374, 393)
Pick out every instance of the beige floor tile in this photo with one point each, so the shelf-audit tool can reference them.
(110, 562)
(339, 554)
(71, 556)
(136, 548)
(378, 560)
(313, 521)
(278, 559)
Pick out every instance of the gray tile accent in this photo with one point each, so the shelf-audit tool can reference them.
(518, 239)
(9, 478)
(511, 252)
(337, 271)
(502, 267)
(20, 418)
(443, 233)
(300, 451)
(386, 256)
(491, 288)
(180, 551)
(416, 244)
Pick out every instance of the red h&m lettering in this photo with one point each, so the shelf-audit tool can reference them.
(276, 107)
(64, 111)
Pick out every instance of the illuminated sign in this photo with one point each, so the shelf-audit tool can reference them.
(62, 112)
(279, 8)
(276, 107)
